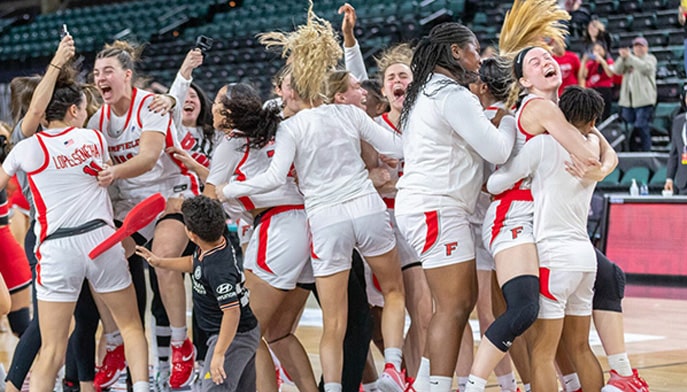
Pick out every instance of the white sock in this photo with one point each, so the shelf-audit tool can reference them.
(507, 382)
(332, 387)
(393, 355)
(462, 382)
(571, 382)
(528, 388)
(475, 384)
(621, 364)
(178, 335)
(421, 383)
(440, 383)
(113, 339)
(370, 387)
(141, 386)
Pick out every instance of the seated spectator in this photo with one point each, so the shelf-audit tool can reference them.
(596, 73)
(676, 174)
(637, 91)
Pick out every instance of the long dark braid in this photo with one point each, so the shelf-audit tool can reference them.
(435, 50)
(243, 111)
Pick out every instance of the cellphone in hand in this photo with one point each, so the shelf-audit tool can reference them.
(204, 43)
(64, 31)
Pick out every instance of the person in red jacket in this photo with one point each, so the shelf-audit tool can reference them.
(569, 63)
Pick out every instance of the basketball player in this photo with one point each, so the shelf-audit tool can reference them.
(137, 138)
(73, 216)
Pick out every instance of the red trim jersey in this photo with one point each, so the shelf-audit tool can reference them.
(62, 167)
(561, 203)
(234, 161)
(123, 133)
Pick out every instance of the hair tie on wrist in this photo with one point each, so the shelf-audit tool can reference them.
(53, 65)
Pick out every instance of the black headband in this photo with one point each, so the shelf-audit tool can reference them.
(519, 59)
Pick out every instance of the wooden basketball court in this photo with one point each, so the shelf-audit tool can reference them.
(655, 331)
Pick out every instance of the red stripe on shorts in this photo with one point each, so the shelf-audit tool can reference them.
(262, 245)
(544, 275)
(432, 222)
(506, 200)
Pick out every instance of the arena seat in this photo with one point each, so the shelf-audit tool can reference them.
(658, 180)
(638, 173)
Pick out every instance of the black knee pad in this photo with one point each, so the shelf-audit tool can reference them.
(609, 286)
(522, 308)
(19, 321)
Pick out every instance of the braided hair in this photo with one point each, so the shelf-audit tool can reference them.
(435, 50)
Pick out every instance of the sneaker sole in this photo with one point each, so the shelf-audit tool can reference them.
(387, 384)
(610, 388)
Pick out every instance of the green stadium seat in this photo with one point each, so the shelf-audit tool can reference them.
(659, 178)
(639, 173)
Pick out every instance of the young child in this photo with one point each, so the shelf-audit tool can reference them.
(219, 297)
(566, 255)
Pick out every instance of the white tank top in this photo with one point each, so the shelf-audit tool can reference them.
(397, 172)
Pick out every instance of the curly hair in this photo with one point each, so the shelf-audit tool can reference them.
(435, 50)
(581, 105)
(311, 51)
(243, 110)
(204, 217)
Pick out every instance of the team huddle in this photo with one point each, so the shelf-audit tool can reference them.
(450, 182)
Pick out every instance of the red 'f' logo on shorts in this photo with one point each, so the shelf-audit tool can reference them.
(516, 231)
(450, 247)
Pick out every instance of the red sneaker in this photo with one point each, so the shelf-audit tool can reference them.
(114, 364)
(183, 358)
(391, 380)
(632, 383)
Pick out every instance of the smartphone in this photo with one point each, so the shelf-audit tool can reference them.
(64, 31)
(204, 43)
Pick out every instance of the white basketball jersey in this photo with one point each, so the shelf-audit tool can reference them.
(250, 162)
(65, 187)
(123, 134)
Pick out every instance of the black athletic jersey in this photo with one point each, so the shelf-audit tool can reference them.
(218, 284)
(4, 208)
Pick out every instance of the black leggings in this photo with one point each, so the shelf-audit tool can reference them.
(80, 360)
(358, 329)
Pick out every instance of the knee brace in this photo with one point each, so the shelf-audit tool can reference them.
(522, 308)
(19, 321)
(609, 286)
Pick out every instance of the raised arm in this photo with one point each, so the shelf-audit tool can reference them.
(353, 57)
(182, 82)
(43, 92)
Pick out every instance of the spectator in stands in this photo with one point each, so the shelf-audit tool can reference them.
(682, 18)
(569, 63)
(676, 175)
(595, 32)
(579, 15)
(638, 91)
(596, 73)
